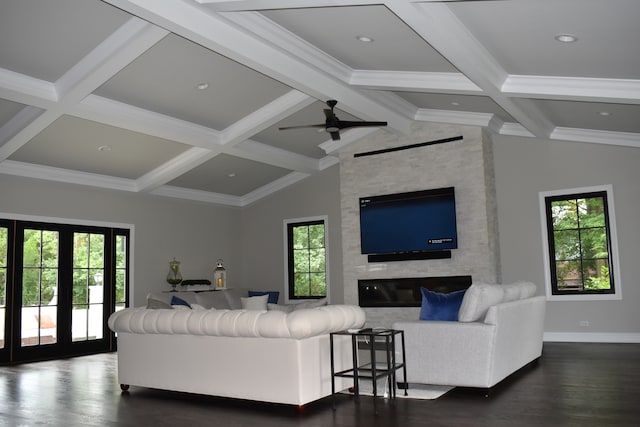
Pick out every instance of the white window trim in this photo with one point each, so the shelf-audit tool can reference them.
(613, 255)
(286, 222)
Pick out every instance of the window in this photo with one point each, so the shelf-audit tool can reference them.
(306, 258)
(580, 244)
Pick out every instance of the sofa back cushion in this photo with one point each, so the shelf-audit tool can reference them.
(440, 306)
(215, 299)
(477, 300)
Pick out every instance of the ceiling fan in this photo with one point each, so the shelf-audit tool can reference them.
(333, 125)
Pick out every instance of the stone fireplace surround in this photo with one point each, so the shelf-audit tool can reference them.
(466, 165)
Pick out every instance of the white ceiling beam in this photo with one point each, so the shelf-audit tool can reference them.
(273, 156)
(27, 90)
(175, 167)
(137, 119)
(265, 117)
(435, 23)
(221, 35)
(414, 81)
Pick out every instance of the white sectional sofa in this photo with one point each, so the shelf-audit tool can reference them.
(499, 331)
(264, 355)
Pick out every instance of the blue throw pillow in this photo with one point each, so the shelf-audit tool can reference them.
(179, 301)
(273, 295)
(439, 306)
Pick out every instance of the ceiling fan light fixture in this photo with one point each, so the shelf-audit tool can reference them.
(566, 38)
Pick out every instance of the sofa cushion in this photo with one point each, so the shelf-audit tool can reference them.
(176, 301)
(440, 306)
(213, 299)
(255, 303)
(273, 295)
(154, 304)
(286, 308)
(477, 300)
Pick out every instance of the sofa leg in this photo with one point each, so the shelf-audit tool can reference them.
(124, 387)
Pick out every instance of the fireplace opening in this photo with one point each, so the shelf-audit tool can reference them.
(405, 292)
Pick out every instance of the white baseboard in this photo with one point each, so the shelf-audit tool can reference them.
(600, 337)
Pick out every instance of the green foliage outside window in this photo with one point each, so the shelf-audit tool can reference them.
(580, 243)
(308, 251)
(40, 267)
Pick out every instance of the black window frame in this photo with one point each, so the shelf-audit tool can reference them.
(551, 247)
(290, 225)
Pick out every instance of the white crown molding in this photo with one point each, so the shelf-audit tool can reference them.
(197, 195)
(272, 187)
(28, 170)
(597, 136)
(414, 81)
(454, 117)
(595, 337)
(573, 88)
(515, 129)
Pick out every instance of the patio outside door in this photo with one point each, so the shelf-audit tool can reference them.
(64, 283)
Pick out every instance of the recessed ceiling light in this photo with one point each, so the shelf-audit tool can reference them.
(604, 113)
(566, 38)
(202, 86)
(365, 39)
(231, 175)
(104, 148)
(456, 103)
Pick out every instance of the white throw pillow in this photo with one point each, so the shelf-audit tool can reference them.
(255, 303)
(477, 300)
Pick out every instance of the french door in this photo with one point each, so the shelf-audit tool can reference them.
(58, 285)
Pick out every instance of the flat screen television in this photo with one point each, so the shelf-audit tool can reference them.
(417, 221)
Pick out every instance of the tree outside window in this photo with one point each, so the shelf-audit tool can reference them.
(306, 259)
(579, 243)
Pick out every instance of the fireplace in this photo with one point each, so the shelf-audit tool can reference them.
(405, 292)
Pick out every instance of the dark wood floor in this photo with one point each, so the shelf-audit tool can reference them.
(573, 384)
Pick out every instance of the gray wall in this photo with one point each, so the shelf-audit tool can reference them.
(262, 224)
(250, 239)
(523, 168)
(195, 234)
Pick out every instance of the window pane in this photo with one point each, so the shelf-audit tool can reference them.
(594, 243)
(316, 236)
(30, 286)
(591, 212)
(300, 237)
(567, 244)
(564, 214)
(81, 250)
(50, 249)
(121, 251)
(120, 286)
(301, 284)
(316, 260)
(80, 294)
(96, 251)
(318, 284)
(300, 261)
(597, 275)
(569, 275)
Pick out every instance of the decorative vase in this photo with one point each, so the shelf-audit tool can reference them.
(174, 277)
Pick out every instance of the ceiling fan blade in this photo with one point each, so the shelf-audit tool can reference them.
(344, 124)
(302, 127)
(335, 136)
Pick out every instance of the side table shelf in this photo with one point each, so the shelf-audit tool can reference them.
(373, 340)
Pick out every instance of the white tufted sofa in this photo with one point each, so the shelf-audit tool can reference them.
(261, 355)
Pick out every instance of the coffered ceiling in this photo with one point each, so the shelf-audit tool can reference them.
(184, 98)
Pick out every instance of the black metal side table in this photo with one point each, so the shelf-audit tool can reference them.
(373, 340)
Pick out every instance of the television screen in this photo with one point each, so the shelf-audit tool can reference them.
(417, 221)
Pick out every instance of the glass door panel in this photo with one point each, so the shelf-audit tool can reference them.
(4, 242)
(87, 321)
(121, 272)
(39, 309)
